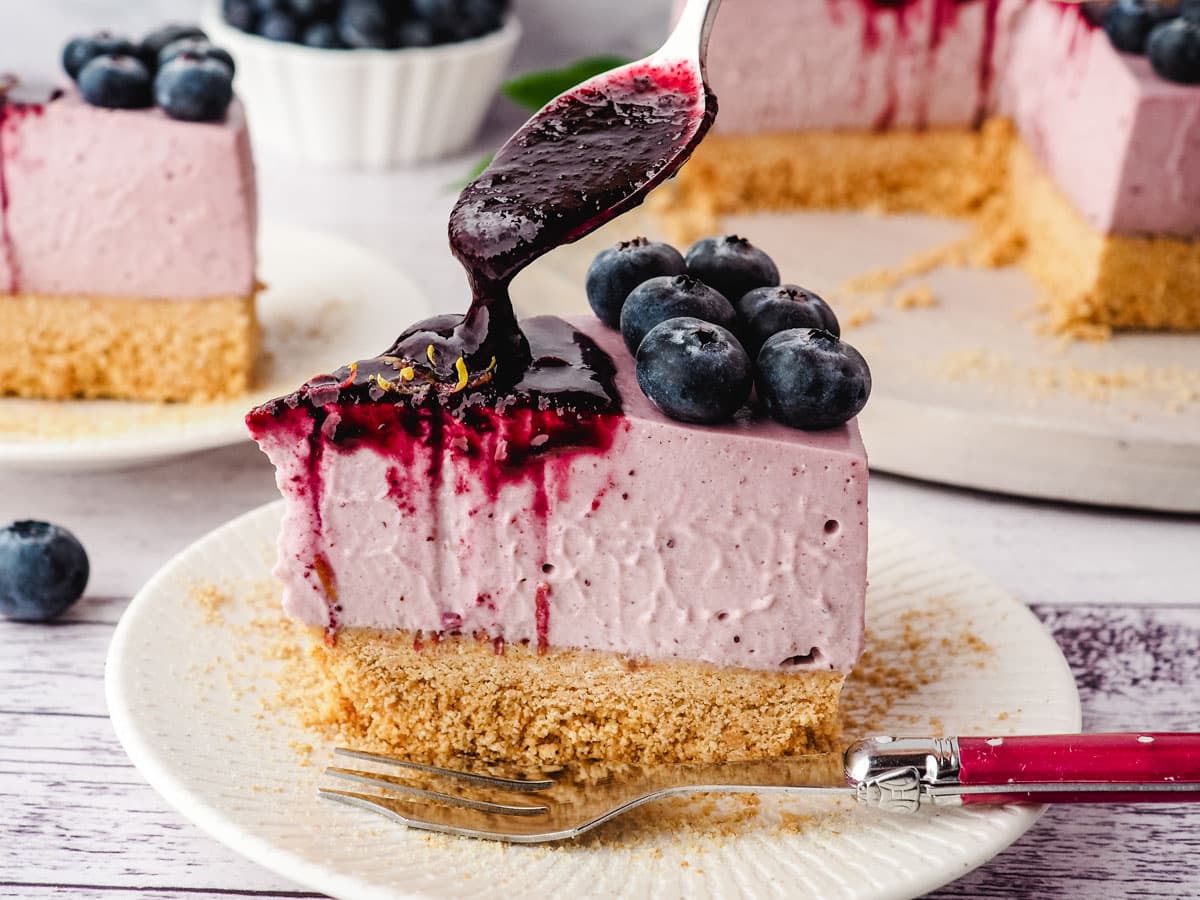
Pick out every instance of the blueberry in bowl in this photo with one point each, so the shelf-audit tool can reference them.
(366, 83)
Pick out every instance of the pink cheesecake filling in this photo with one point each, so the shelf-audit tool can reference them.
(595, 532)
(125, 203)
(1122, 143)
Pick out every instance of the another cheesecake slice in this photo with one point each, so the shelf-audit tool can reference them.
(127, 252)
(565, 573)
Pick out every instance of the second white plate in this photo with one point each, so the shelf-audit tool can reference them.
(327, 302)
(948, 652)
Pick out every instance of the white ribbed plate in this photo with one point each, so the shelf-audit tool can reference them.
(184, 697)
(326, 302)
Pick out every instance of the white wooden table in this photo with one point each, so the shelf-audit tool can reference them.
(1121, 591)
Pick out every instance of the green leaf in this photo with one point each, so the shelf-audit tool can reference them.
(476, 171)
(533, 90)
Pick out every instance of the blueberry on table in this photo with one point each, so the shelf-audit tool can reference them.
(615, 272)
(200, 47)
(1128, 23)
(82, 50)
(365, 25)
(694, 371)
(732, 265)
(153, 43)
(1174, 49)
(241, 14)
(811, 380)
(766, 311)
(323, 36)
(194, 88)
(43, 571)
(279, 26)
(116, 82)
(415, 33)
(668, 297)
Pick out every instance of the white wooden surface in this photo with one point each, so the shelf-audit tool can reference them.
(1121, 591)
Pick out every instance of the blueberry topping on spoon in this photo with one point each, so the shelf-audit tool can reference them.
(811, 380)
(615, 272)
(43, 571)
(667, 297)
(732, 265)
(694, 371)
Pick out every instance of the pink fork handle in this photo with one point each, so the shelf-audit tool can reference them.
(1146, 759)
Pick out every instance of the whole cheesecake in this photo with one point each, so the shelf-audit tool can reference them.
(1076, 158)
(127, 250)
(569, 574)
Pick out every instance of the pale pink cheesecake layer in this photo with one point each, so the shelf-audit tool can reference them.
(1123, 144)
(741, 545)
(126, 203)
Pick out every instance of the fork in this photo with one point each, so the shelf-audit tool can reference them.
(899, 775)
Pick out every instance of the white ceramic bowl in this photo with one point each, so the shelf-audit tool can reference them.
(365, 108)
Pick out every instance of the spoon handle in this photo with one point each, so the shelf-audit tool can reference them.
(689, 39)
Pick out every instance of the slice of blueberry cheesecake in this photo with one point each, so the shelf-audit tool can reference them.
(651, 546)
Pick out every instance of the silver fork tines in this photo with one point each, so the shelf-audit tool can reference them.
(562, 805)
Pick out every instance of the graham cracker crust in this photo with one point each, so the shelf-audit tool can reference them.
(1092, 282)
(127, 348)
(458, 696)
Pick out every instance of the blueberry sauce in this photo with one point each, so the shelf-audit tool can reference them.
(18, 99)
(943, 14)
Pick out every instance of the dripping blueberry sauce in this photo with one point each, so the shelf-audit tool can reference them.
(496, 401)
(943, 14)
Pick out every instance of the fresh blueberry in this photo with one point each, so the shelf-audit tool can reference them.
(769, 310)
(415, 33)
(615, 272)
(365, 24)
(241, 14)
(809, 379)
(461, 20)
(313, 10)
(323, 36)
(266, 7)
(193, 88)
(1128, 23)
(279, 26)
(694, 371)
(82, 50)
(116, 82)
(668, 297)
(200, 47)
(152, 44)
(43, 570)
(732, 265)
(1174, 49)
